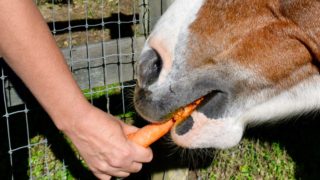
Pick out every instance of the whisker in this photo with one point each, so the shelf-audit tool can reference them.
(193, 158)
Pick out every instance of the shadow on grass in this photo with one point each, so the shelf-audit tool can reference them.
(300, 137)
(19, 168)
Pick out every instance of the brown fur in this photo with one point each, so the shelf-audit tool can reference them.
(277, 39)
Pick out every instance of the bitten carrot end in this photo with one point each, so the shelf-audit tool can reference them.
(152, 132)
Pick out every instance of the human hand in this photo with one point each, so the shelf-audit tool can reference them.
(101, 140)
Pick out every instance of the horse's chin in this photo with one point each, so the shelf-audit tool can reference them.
(198, 131)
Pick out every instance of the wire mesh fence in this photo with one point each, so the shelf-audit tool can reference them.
(101, 41)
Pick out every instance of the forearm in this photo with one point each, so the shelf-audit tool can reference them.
(29, 48)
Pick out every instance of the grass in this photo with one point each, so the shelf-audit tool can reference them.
(251, 159)
(43, 162)
(98, 92)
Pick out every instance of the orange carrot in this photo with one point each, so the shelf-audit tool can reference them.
(152, 132)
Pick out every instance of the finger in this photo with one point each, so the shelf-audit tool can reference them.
(121, 174)
(108, 175)
(141, 154)
(108, 170)
(131, 167)
(135, 167)
(127, 129)
(102, 176)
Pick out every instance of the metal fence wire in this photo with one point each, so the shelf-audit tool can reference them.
(101, 41)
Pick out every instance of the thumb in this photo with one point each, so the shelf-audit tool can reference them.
(128, 129)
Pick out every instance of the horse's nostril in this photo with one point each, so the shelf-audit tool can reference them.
(149, 67)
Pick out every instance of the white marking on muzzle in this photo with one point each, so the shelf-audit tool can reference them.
(206, 132)
(171, 27)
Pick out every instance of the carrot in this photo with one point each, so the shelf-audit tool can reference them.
(148, 134)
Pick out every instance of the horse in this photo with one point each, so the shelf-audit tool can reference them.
(253, 61)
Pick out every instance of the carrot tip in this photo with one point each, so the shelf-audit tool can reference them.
(152, 132)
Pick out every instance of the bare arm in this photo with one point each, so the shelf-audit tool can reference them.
(30, 50)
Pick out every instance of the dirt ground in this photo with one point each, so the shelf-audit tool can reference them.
(91, 21)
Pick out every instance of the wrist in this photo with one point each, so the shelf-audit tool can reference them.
(66, 118)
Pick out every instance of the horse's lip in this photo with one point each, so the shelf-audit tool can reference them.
(185, 125)
(205, 98)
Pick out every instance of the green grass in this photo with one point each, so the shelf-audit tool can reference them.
(251, 159)
(98, 92)
(44, 164)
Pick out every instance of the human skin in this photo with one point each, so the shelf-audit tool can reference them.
(28, 47)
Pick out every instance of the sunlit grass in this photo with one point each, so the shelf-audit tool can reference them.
(251, 159)
(98, 92)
